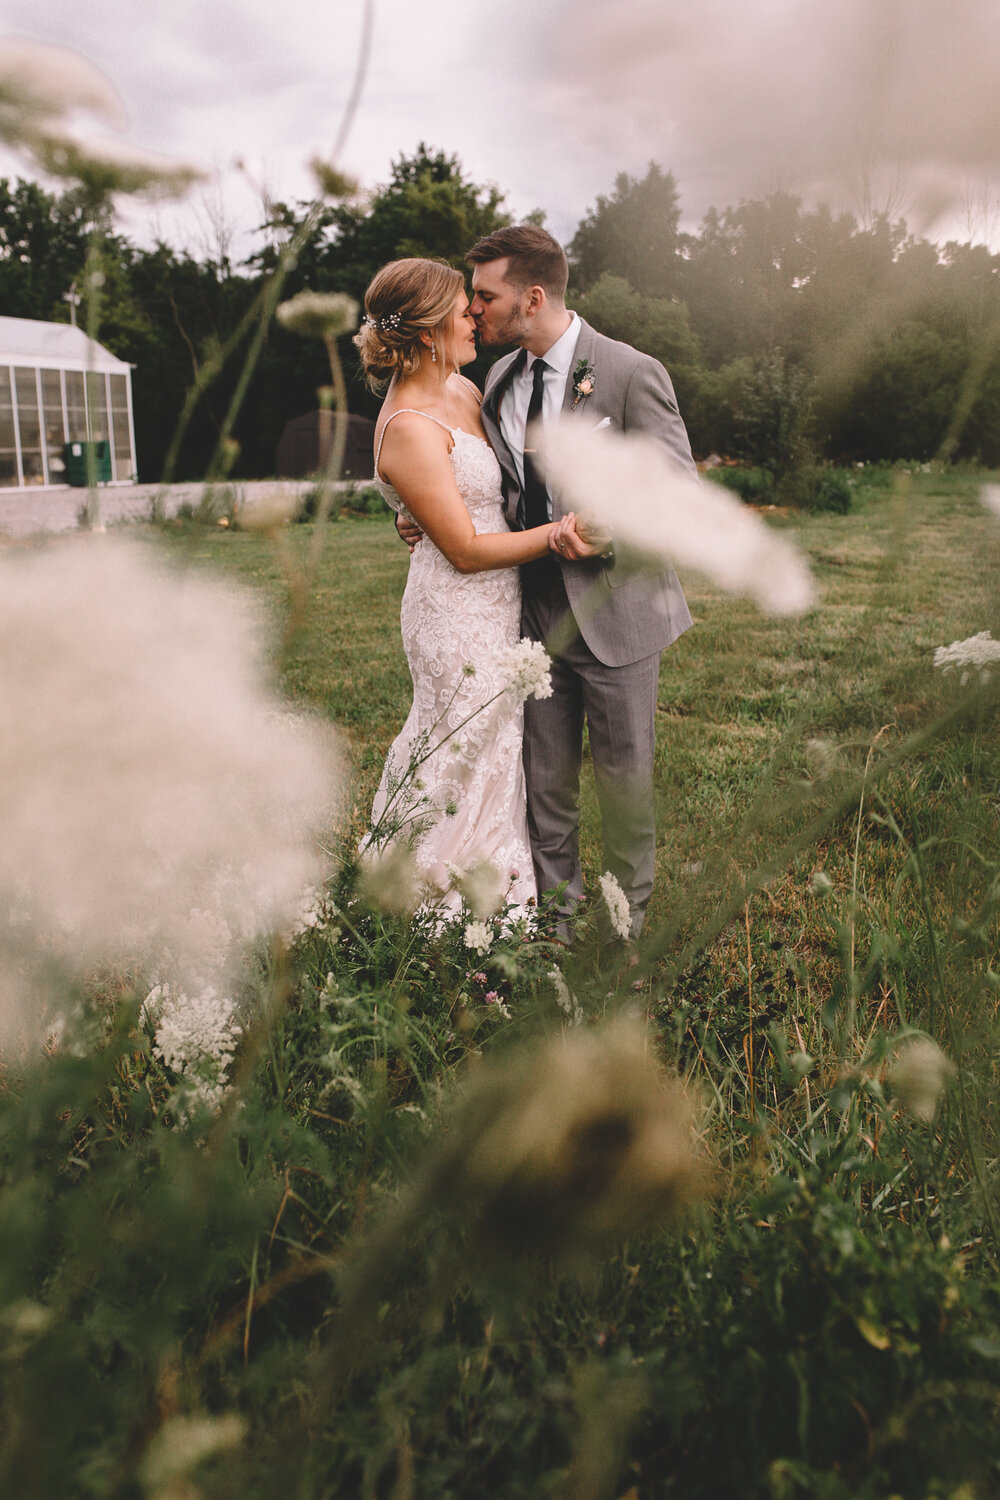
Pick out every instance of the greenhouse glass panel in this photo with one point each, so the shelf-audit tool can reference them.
(8, 443)
(53, 425)
(32, 468)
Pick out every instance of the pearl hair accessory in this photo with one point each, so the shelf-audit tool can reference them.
(391, 320)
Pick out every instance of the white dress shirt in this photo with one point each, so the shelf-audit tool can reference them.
(514, 406)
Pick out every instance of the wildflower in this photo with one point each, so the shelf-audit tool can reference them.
(106, 165)
(39, 83)
(483, 888)
(333, 183)
(659, 515)
(42, 90)
(579, 1142)
(323, 315)
(195, 1038)
(822, 759)
(524, 670)
(315, 910)
(491, 997)
(616, 903)
(919, 1074)
(389, 879)
(979, 652)
(181, 1444)
(989, 494)
(140, 759)
(565, 999)
(478, 937)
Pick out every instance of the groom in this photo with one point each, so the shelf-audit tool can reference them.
(608, 671)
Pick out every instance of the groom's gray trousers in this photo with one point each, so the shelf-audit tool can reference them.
(619, 706)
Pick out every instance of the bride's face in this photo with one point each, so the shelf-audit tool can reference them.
(460, 334)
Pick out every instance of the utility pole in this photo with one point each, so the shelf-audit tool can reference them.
(74, 302)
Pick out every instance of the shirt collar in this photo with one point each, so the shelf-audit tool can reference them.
(559, 356)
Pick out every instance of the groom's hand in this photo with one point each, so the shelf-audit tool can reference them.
(565, 540)
(408, 531)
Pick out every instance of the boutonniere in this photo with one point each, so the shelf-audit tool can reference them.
(583, 381)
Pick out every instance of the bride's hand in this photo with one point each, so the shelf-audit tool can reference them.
(566, 540)
(408, 531)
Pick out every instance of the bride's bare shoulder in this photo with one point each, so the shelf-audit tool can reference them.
(467, 390)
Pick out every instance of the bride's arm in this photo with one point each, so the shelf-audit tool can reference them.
(415, 461)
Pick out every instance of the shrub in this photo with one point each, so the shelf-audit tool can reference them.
(753, 485)
(816, 487)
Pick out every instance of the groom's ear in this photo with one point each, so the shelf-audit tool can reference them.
(536, 300)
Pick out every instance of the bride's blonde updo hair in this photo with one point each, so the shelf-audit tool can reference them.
(405, 299)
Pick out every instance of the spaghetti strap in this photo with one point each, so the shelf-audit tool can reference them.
(415, 412)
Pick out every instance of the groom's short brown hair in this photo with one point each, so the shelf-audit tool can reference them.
(536, 259)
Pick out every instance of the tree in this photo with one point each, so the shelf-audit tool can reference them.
(632, 234)
(428, 208)
(655, 325)
(43, 249)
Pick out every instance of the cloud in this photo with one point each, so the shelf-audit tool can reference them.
(842, 101)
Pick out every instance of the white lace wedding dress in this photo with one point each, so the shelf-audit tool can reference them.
(467, 801)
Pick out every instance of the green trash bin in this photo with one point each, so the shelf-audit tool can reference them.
(77, 463)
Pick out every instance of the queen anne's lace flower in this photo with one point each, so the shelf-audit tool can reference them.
(990, 496)
(617, 904)
(979, 652)
(565, 999)
(919, 1075)
(195, 1038)
(478, 937)
(319, 314)
(524, 669)
(151, 802)
(624, 484)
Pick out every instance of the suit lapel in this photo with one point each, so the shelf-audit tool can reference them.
(586, 345)
(496, 384)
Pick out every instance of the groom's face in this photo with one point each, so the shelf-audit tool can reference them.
(498, 307)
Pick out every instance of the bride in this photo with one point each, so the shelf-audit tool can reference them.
(463, 805)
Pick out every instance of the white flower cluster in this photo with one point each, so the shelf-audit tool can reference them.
(990, 497)
(152, 807)
(616, 902)
(43, 89)
(626, 485)
(482, 886)
(524, 669)
(565, 999)
(195, 1037)
(319, 314)
(919, 1074)
(478, 937)
(979, 653)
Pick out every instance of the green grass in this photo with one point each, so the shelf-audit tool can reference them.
(912, 568)
(327, 1259)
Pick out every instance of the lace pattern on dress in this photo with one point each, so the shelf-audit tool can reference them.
(470, 804)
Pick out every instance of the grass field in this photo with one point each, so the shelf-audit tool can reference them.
(333, 1289)
(913, 567)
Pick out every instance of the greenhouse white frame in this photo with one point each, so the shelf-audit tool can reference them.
(57, 386)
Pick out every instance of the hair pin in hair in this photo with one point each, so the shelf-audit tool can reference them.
(391, 320)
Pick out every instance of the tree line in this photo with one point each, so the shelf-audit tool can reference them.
(787, 330)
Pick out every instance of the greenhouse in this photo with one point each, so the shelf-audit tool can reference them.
(59, 391)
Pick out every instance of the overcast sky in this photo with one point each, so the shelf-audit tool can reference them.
(893, 99)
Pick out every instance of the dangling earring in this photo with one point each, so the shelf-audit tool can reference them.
(434, 353)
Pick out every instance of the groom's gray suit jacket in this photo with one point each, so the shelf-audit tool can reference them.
(636, 614)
